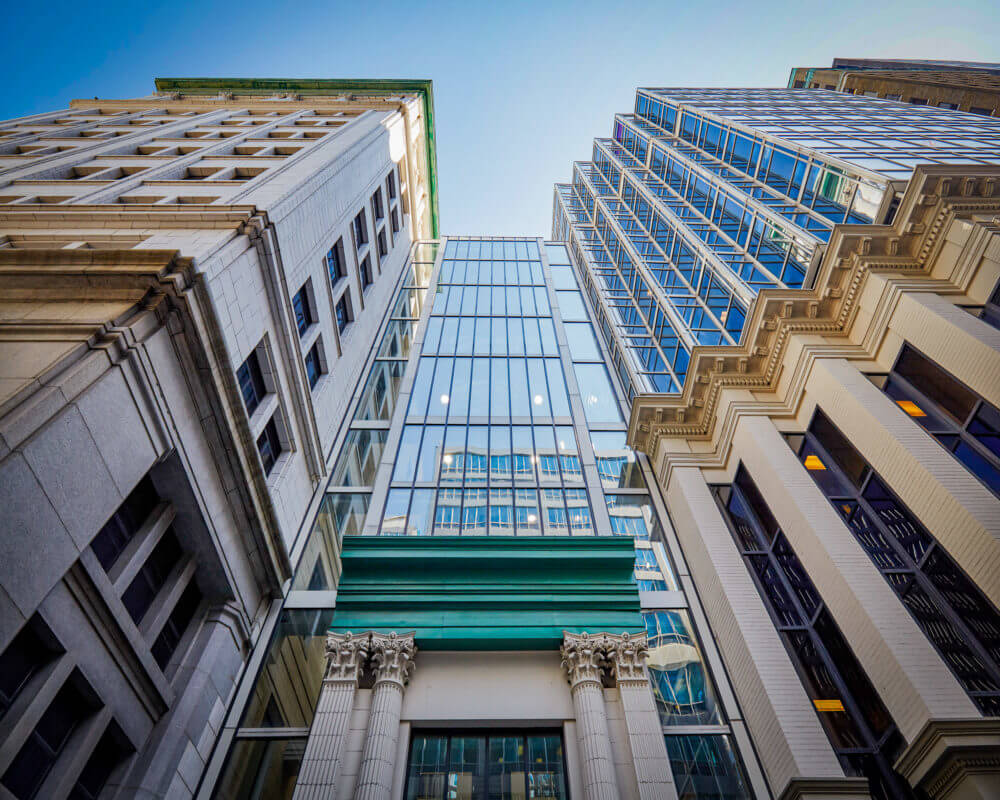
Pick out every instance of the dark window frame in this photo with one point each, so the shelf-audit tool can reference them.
(336, 262)
(314, 365)
(343, 322)
(905, 574)
(250, 378)
(378, 206)
(271, 440)
(766, 551)
(302, 308)
(485, 734)
(940, 424)
(360, 229)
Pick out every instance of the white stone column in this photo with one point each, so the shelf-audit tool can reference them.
(582, 659)
(626, 658)
(392, 657)
(320, 772)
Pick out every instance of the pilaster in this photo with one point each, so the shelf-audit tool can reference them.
(626, 656)
(955, 759)
(320, 772)
(392, 657)
(583, 656)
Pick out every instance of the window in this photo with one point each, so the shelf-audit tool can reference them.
(314, 366)
(303, 310)
(952, 106)
(377, 205)
(125, 523)
(366, 273)
(394, 216)
(918, 101)
(948, 607)
(965, 424)
(894, 97)
(481, 766)
(343, 313)
(856, 721)
(335, 263)
(269, 446)
(70, 707)
(390, 184)
(986, 112)
(383, 249)
(799, 85)
(29, 651)
(141, 593)
(360, 229)
(111, 750)
(178, 621)
(251, 383)
(706, 767)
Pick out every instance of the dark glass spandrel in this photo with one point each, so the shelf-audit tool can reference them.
(262, 769)
(706, 768)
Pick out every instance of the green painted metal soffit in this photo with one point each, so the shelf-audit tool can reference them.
(489, 593)
(325, 86)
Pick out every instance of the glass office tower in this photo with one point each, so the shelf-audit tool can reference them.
(703, 197)
(484, 500)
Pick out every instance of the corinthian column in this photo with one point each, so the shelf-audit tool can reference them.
(318, 776)
(392, 657)
(626, 656)
(582, 659)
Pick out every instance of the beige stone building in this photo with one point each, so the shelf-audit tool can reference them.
(186, 281)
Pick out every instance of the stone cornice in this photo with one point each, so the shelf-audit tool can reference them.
(815, 788)
(934, 197)
(946, 749)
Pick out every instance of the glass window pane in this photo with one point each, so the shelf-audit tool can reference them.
(426, 778)
(538, 386)
(554, 518)
(599, 401)
(581, 341)
(453, 459)
(406, 455)
(571, 306)
(498, 341)
(706, 767)
(382, 390)
(520, 399)
(359, 458)
(526, 512)
(288, 686)
(507, 780)
(557, 388)
(420, 520)
(557, 254)
(474, 507)
(545, 762)
(448, 513)
(441, 389)
(262, 768)
(550, 346)
(341, 514)
(421, 388)
(458, 403)
(681, 684)
(394, 519)
(398, 339)
(563, 278)
(481, 346)
(616, 462)
(499, 388)
(532, 340)
(430, 453)
(515, 337)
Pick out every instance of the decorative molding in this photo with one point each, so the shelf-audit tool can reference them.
(947, 751)
(392, 656)
(346, 655)
(906, 250)
(610, 656)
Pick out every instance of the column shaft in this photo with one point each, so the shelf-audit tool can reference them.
(599, 781)
(321, 762)
(645, 738)
(379, 757)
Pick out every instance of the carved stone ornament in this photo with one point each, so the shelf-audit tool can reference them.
(582, 657)
(627, 657)
(392, 656)
(586, 656)
(346, 655)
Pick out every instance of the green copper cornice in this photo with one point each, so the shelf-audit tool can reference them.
(499, 592)
(325, 86)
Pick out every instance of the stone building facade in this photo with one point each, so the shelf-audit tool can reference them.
(186, 281)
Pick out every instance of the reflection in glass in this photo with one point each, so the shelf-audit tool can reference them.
(398, 339)
(359, 458)
(396, 506)
(287, 688)
(681, 684)
(571, 305)
(582, 344)
(706, 767)
(599, 401)
(616, 462)
(262, 769)
(340, 514)
(504, 766)
(381, 391)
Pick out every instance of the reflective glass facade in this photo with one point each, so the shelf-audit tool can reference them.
(702, 197)
(488, 409)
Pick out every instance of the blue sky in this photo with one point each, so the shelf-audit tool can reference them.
(521, 88)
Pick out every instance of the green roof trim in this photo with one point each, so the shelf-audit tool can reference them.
(487, 593)
(323, 86)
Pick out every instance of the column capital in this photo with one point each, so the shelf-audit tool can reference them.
(346, 655)
(626, 656)
(583, 656)
(392, 656)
